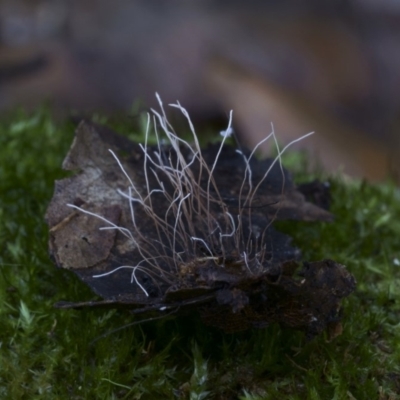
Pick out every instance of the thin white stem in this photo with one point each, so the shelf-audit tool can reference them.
(233, 226)
(133, 276)
(126, 232)
(196, 239)
(124, 172)
(245, 261)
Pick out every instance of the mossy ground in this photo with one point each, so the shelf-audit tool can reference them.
(47, 353)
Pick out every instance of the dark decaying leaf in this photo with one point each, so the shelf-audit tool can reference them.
(195, 234)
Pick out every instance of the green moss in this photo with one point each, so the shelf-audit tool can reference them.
(52, 354)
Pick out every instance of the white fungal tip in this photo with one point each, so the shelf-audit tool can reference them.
(227, 133)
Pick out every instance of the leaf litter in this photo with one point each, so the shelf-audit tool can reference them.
(173, 228)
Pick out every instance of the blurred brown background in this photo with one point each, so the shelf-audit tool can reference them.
(332, 67)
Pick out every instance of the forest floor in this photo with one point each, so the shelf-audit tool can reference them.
(47, 353)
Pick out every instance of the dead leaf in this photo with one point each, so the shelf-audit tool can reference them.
(171, 230)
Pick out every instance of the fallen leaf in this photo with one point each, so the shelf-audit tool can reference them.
(173, 228)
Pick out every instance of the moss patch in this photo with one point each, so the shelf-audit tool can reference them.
(47, 353)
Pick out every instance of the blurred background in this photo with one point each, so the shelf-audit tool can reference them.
(332, 67)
